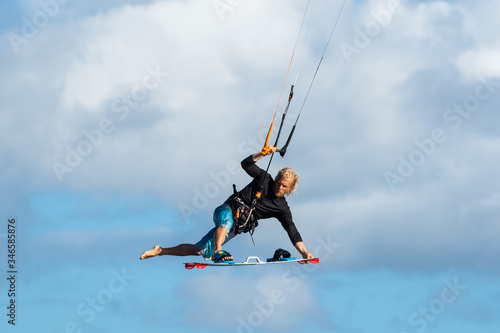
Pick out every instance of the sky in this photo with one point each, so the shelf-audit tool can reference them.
(123, 124)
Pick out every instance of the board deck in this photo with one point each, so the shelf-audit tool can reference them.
(250, 261)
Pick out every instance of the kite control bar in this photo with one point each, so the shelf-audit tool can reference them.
(282, 151)
(266, 149)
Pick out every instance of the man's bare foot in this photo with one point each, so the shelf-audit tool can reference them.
(151, 253)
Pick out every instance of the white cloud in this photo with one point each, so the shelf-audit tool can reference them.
(105, 245)
(421, 229)
(224, 78)
(223, 81)
(479, 63)
(257, 299)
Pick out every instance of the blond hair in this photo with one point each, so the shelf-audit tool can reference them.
(288, 173)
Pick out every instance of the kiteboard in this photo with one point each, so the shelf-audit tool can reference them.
(250, 261)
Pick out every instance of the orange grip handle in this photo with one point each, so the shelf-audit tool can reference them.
(269, 134)
(266, 149)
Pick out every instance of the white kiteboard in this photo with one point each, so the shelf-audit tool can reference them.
(250, 261)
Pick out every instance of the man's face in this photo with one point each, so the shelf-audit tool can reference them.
(282, 186)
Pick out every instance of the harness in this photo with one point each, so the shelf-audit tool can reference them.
(244, 219)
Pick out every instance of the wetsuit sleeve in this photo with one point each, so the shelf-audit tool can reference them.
(251, 168)
(287, 223)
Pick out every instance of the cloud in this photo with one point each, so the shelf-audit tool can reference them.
(220, 82)
(479, 63)
(84, 246)
(257, 299)
(83, 93)
(98, 126)
(421, 229)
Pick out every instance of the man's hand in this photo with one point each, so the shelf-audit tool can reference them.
(303, 251)
(307, 255)
(268, 150)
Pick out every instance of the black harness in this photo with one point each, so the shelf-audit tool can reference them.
(244, 219)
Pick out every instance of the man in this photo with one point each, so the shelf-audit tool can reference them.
(241, 211)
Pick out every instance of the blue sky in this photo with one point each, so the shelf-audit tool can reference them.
(123, 124)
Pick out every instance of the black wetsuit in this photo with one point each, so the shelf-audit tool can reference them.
(269, 205)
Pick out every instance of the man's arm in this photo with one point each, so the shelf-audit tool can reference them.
(250, 167)
(303, 251)
(299, 245)
(259, 155)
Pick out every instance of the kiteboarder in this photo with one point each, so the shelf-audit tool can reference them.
(262, 198)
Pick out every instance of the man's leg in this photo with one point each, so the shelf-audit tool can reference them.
(223, 219)
(219, 238)
(213, 240)
(179, 250)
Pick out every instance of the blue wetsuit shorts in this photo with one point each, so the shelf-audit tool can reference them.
(223, 217)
